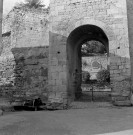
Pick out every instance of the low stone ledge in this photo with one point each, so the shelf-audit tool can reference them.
(121, 99)
(56, 106)
(126, 103)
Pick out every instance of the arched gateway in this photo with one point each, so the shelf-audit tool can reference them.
(72, 24)
(75, 40)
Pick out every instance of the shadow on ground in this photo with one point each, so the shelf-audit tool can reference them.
(91, 121)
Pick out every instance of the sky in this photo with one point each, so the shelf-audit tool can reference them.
(8, 5)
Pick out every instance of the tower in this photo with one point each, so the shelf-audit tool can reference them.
(73, 22)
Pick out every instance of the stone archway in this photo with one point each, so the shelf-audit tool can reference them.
(87, 21)
(76, 38)
(60, 73)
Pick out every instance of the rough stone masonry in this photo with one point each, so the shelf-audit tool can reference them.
(76, 21)
(24, 60)
(24, 57)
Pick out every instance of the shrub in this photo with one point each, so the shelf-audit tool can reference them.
(84, 64)
(103, 76)
(86, 76)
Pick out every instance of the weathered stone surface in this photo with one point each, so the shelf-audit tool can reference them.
(27, 65)
(24, 58)
(67, 17)
(122, 103)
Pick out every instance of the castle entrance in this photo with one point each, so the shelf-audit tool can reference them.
(88, 64)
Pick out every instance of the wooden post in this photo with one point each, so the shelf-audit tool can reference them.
(1, 16)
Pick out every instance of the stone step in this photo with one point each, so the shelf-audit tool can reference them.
(85, 105)
(121, 98)
(122, 103)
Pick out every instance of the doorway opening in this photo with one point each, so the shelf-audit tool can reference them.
(95, 72)
(87, 61)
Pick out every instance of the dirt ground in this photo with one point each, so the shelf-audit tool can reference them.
(90, 121)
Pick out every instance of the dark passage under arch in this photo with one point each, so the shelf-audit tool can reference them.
(75, 40)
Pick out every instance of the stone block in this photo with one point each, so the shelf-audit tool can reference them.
(121, 67)
(59, 68)
(31, 62)
(54, 62)
(62, 75)
(122, 103)
(117, 71)
(115, 60)
(58, 82)
(114, 75)
(63, 88)
(112, 67)
(119, 78)
(127, 66)
(52, 82)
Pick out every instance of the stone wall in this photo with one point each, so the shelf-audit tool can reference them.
(109, 15)
(24, 72)
(24, 58)
(31, 28)
(31, 71)
(8, 22)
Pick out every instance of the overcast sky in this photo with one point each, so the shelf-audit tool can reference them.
(8, 4)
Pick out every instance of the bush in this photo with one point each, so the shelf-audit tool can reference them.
(103, 76)
(86, 76)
